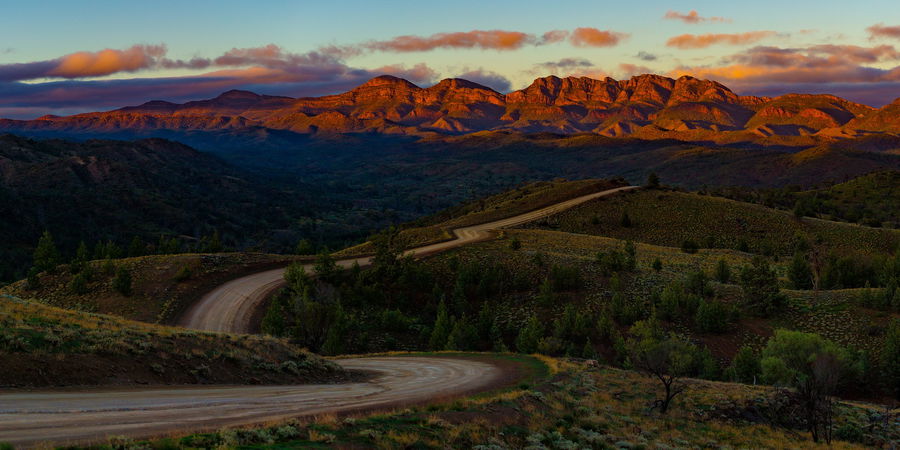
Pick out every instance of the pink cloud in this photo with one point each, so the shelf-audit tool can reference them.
(693, 18)
(692, 41)
(483, 39)
(592, 37)
(882, 31)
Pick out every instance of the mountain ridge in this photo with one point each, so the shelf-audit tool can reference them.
(644, 106)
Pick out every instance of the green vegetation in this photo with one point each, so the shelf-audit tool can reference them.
(683, 219)
(580, 406)
(77, 348)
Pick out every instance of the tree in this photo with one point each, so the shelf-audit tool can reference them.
(443, 325)
(463, 336)
(529, 337)
(712, 317)
(79, 284)
(690, 246)
(657, 265)
(122, 281)
(46, 255)
(137, 247)
(297, 279)
(630, 256)
(665, 358)
(745, 366)
(890, 356)
(304, 247)
(326, 268)
(759, 284)
(723, 271)
(626, 220)
(515, 244)
(653, 180)
(389, 247)
(800, 272)
(79, 262)
(814, 367)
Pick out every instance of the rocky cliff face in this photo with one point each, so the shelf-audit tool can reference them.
(646, 106)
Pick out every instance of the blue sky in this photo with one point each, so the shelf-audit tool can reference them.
(34, 36)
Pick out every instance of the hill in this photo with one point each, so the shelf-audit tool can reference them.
(44, 346)
(645, 106)
(670, 218)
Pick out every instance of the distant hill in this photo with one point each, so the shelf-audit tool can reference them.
(645, 106)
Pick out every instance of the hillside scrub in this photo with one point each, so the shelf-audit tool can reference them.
(77, 348)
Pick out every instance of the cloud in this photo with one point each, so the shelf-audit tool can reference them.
(693, 18)
(881, 31)
(488, 78)
(692, 41)
(772, 69)
(482, 39)
(565, 63)
(87, 64)
(592, 37)
(552, 37)
(630, 70)
(645, 56)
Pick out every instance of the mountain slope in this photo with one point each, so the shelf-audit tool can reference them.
(646, 106)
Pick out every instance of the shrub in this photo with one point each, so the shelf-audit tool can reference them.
(890, 356)
(515, 244)
(79, 284)
(565, 278)
(626, 220)
(657, 265)
(723, 271)
(183, 274)
(690, 246)
(529, 337)
(713, 316)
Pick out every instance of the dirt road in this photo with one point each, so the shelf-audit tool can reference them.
(230, 307)
(30, 418)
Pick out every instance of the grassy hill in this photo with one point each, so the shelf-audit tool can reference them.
(438, 227)
(45, 346)
(670, 218)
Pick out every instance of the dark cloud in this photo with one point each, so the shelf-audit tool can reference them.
(694, 18)
(566, 63)
(645, 56)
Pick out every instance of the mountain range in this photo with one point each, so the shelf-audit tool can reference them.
(646, 107)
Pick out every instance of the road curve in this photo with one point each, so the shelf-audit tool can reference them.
(31, 418)
(229, 307)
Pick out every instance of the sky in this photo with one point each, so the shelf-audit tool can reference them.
(65, 57)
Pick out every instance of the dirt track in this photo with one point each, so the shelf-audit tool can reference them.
(30, 418)
(230, 307)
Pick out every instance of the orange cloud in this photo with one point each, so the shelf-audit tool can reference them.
(484, 39)
(691, 41)
(816, 64)
(693, 18)
(108, 61)
(881, 31)
(592, 37)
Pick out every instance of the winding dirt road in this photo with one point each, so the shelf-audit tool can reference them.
(230, 307)
(31, 418)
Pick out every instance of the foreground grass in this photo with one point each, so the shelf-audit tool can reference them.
(575, 406)
(78, 348)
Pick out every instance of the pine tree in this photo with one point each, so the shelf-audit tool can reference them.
(136, 248)
(653, 180)
(800, 273)
(723, 271)
(46, 255)
(443, 325)
(530, 336)
(80, 261)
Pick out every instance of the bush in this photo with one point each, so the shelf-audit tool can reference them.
(745, 367)
(690, 246)
(529, 337)
(565, 278)
(723, 272)
(657, 265)
(800, 273)
(515, 244)
(713, 316)
(79, 284)
(626, 220)
(183, 274)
